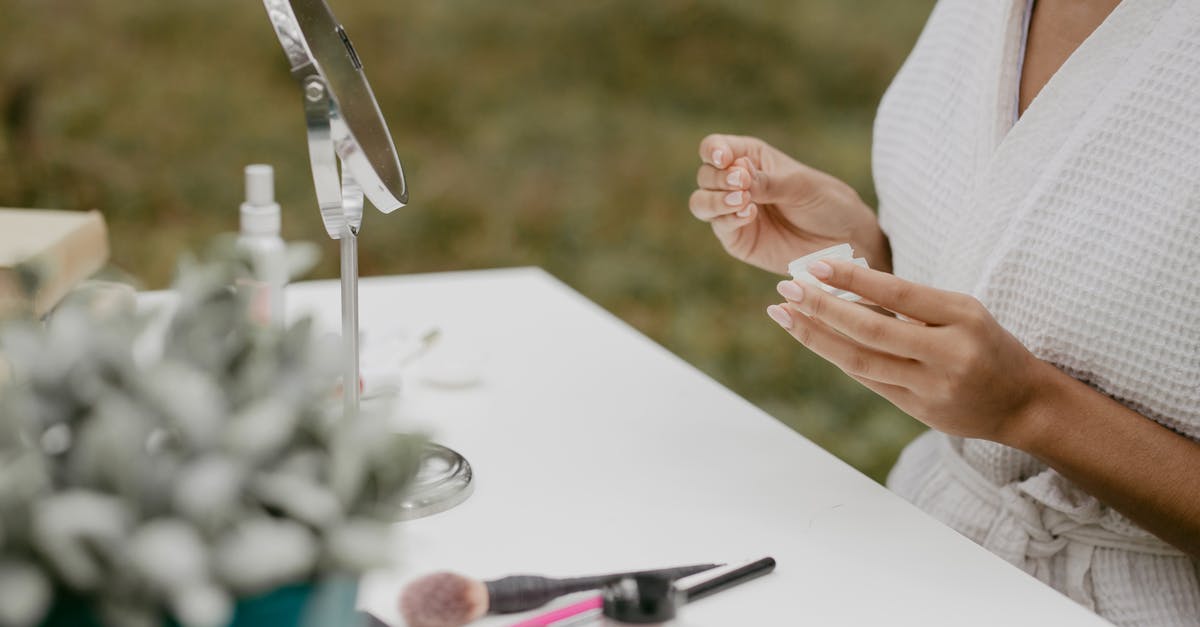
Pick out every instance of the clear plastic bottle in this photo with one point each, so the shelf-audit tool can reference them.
(260, 239)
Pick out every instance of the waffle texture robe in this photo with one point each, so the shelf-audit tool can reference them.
(1078, 226)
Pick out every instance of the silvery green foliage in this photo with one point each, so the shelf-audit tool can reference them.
(25, 589)
(219, 467)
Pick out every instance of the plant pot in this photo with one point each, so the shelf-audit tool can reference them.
(328, 602)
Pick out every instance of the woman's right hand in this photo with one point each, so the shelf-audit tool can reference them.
(768, 209)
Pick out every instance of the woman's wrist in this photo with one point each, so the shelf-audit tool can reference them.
(865, 233)
(1033, 427)
(880, 247)
(871, 243)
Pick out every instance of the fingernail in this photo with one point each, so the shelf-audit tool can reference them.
(745, 212)
(733, 199)
(780, 316)
(718, 157)
(791, 291)
(820, 269)
(734, 178)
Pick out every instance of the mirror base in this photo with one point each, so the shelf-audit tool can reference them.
(444, 481)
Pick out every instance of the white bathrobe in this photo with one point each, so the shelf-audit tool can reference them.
(1078, 226)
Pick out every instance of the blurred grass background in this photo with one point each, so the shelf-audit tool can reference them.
(558, 134)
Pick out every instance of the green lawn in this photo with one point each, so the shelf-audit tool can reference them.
(559, 134)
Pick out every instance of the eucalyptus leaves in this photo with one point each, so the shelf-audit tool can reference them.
(175, 473)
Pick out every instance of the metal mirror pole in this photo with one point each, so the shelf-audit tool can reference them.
(341, 211)
(352, 211)
(350, 389)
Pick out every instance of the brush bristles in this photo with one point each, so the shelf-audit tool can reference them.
(443, 600)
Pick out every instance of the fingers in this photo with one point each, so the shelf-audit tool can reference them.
(786, 186)
(851, 357)
(725, 226)
(709, 205)
(729, 179)
(929, 305)
(721, 150)
(859, 323)
(723, 199)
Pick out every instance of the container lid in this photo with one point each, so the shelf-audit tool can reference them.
(640, 599)
(260, 212)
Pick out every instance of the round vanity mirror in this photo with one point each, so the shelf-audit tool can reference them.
(340, 108)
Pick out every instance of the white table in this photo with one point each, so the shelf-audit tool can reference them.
(597, 450)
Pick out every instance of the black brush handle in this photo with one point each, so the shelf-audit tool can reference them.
(730, 579)
(518, 593)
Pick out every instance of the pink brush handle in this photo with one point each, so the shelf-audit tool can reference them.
(549, 618)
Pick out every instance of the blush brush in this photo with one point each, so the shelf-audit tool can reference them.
(451, 600)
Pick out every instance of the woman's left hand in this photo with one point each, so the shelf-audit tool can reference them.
(949, 365)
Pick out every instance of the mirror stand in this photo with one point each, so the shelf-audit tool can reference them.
(341, 206)
(445, 477)
(346, 127)
(348, 245)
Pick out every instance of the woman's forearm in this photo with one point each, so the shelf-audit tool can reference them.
(964, 374)
(1131, 463)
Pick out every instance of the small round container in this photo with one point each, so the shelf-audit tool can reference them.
(640, 599)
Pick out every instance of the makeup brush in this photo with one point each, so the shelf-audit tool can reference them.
(452, 600)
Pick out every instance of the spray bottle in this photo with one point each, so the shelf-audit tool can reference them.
(260, 240)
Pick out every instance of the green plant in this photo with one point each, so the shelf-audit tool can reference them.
(158, 471)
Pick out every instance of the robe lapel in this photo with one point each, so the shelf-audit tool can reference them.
(1016, 161)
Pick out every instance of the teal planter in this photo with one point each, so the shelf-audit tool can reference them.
(330, 602)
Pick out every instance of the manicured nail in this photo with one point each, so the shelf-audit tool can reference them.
(820, 269)
(718, 157)
(791, 291)
(780, 316)
(734, 178)
(745, 212)
(733, 199)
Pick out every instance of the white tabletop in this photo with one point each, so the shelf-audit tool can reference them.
(596, 450)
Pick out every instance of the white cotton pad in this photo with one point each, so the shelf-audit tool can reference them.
(456, 362)
(799, 269)
(800, 266)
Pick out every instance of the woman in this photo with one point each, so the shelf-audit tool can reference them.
(1038, 170)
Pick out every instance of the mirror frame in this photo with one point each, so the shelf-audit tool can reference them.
(330, 74)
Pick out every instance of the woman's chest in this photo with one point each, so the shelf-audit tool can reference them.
(1055, 28)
